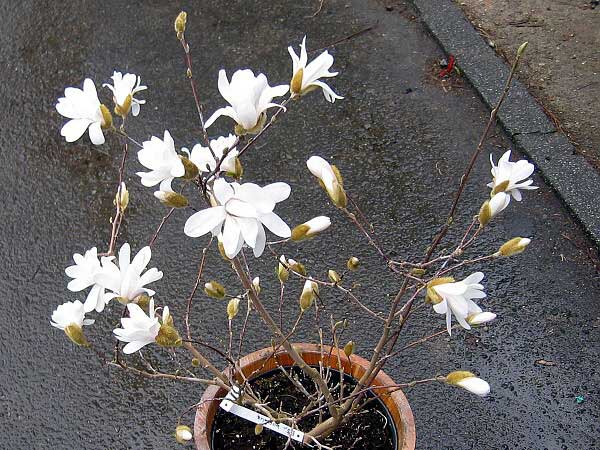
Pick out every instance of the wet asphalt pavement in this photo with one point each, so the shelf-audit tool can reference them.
(400, 141)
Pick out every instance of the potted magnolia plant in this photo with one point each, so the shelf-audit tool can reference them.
(288, 395)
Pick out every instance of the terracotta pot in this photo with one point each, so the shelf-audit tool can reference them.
(256, 363)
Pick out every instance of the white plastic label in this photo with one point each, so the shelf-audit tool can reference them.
(228, 404)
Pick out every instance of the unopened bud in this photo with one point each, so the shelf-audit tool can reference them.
(349, 348)
(238, 169)
(75, 333)
(492, 207)
(122, 197)
(106, 117)
(258, 429)
(296, 83)
(353, 263)
(195, 362)
(334, 277)
(522, 48)
(310, 228)
(308, 294)
(282, 272)
(513, 247)
(168, 336)
(214, 289)
(183, 434)
(233, 307)
(256, 285)
(180, 22)
(432, 296)
(468, 381)
(297, 267)
(191, 170)
(171, 199)
(221, 248)
(417, 271)
(143, 301)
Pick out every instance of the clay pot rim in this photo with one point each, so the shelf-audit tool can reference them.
(395, 402)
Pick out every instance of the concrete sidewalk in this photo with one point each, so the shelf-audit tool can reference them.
(401, 143)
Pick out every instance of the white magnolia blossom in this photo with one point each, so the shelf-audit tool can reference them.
(457, 299)
(249, 96)
(139, 329)
(306, 77)
(481, 317)
(86, 267)
(321, 169)
(125, 281)
(498, 203)
(474, 385)
(240, 212)
(70, 313)
(204, 160)
(84, 110)
(124, 88)
(509, 176)
(312, 227)
(317, 224)
(161, 158)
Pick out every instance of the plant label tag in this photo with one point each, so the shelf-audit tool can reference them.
(228, 404)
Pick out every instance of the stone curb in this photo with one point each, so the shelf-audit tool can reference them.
(575, 181)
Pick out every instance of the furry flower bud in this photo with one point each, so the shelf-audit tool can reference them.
(180, 22)
(183, 434)
(168, 336)
(191, 169)
(214, 289)
(122, 197)
(513, 247)
(492, 207)
(353, 263)
(349, 348)
(75, 333)
(308, 294)
(171, 199)
(233, 308)
(282, 272)
(297, 267)
(106, 117)
(333, 276)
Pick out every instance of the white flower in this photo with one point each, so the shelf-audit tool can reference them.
(305, 77)
(124, 89)
(85, 111)
(479, 318)
(139, 329)
(83, 272)
(204, 160)
(161, 158)
(310, 228)
(126, 281)
(70, 313)
(492, 207)
(249, 96)
(469, 381)
(239, 215)
(330, 179)
(456, 299)
(509, 176)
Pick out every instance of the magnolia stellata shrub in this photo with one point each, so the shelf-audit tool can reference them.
(231, 213)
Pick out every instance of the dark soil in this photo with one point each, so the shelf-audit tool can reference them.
(370, 429)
